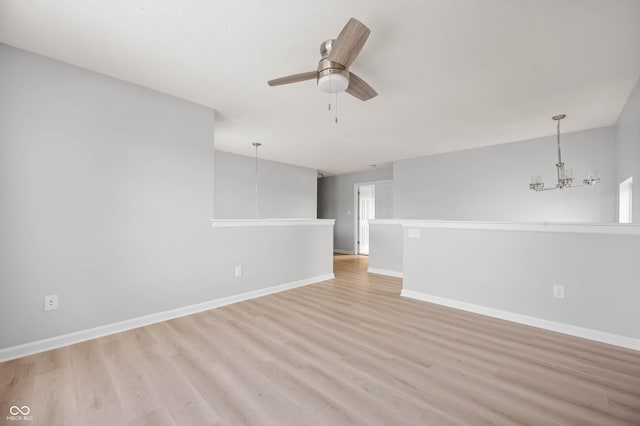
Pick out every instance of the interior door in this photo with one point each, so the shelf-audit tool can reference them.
(366, 212)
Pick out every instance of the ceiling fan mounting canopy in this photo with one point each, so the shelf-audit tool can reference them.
(337, 55)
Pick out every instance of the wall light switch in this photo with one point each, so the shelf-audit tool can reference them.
(51, 302)
(414, 233)
(238, 271)
(558, 291)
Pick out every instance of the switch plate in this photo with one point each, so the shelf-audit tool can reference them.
(238, 271)
(51, 302)
(558, 291)
(414, 233)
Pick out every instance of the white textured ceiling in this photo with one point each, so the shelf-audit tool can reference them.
(451, 74)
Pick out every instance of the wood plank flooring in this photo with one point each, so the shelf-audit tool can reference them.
(345, 351)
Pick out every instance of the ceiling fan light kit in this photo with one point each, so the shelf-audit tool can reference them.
(337, 55)
(333, 83)
(565, 176)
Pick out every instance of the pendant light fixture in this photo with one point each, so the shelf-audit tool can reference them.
(565, 176)
(256, 144)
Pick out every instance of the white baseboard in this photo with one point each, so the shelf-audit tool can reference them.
(343, 251)
(385, 272)
(572, 330)
(105, 330)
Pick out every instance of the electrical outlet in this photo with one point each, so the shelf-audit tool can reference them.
(51, 302)
(238, 271)
(558, 291)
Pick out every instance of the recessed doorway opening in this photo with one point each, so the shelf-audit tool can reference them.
(625, 213)
(366, 212)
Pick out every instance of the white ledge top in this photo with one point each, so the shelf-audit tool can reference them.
(387, 222)
(247, 223)
(580, 228)
(410, 221)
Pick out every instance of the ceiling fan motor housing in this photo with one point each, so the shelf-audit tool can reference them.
(332, 76)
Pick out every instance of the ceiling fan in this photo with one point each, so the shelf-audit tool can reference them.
(338, 54)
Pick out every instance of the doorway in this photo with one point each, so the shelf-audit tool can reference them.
(366, 212)
(625, 211)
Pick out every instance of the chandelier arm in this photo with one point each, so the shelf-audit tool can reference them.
(547, 189)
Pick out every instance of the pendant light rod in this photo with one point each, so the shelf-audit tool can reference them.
(560, 164)
(256, 144)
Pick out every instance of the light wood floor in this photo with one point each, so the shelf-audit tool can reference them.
(345, 351)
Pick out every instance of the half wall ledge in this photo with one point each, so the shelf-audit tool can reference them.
(240, 223)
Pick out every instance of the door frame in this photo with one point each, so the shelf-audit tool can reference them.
(356, 209)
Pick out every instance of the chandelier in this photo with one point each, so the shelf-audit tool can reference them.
(565, 176)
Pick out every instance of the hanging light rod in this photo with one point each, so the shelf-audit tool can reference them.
(256, 144)
(565, 177)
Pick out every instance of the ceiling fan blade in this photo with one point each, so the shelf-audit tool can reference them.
(349, 43)
(359, 88)
(293, 78)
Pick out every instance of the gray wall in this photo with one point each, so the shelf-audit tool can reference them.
(336, 201)
(384, 200)
(269, 256)
(106, 196)
(106, 193)
(491, 183)
(495, 268)
(385, 247)
(284, 191)
(628, 148)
